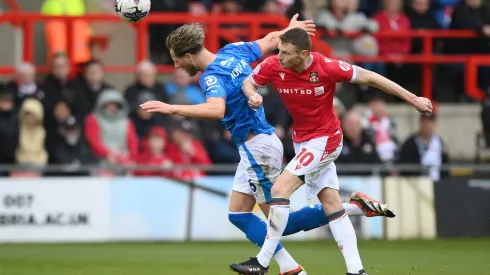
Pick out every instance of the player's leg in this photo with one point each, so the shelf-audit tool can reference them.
(261, 159)
(278, 218)
(325, 185)
(255, 229)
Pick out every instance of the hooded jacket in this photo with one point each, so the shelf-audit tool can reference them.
(31, 148)
(114, 135)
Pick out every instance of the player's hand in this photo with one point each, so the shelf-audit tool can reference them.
(306, 25)
(255, 101)
(423, 105)
(157, 107)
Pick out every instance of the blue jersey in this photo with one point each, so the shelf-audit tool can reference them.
(224, 78)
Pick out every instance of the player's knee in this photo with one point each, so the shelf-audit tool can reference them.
(330, 200)
(279, 191)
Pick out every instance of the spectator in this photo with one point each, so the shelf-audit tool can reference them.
(153, 153)
(143, 120)
(32, 135)
(358, 146)
(392, 18)
(343, 16)
(311, 8)
(369, 7)
(471, 15)
(221, 147)
(182, 91)
(272, 7)
(339, 107)
(425, 148)
(110, 133)
(57, 81)
(444, 11)
(184, 149)
(146, 80)
(88, 87)
(71, 147)
(421, 17)
(485, 117)
(61, 112)
(9, 127)
(25, 85)
(158, 32)
(382, 128)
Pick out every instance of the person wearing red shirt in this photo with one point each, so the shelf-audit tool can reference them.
(186, 150)
(306, 81)
(392, 18)
(153, 152)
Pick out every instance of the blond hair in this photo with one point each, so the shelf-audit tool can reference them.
(189, 38)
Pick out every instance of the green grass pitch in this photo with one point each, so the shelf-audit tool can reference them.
(455, 257)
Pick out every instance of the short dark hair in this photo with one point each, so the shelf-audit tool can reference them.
(188, 38)
(92, 62)
(297, 37)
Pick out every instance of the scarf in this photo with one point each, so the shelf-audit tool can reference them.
(431, 155)
(385, 146)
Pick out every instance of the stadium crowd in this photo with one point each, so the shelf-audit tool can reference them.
(84, 120)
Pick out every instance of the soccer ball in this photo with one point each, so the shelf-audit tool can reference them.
(132, 10)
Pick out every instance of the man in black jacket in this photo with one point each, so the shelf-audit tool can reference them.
(9, 127)
(425, 148)
(146, 82)
(358, 147)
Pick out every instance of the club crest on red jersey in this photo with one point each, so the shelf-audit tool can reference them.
(314, 77)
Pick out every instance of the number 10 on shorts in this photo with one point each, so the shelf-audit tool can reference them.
(304, 158)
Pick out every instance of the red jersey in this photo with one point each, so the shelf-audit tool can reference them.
(308, 96)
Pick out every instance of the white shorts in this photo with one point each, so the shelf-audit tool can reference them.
(260, 164)
(314, 161)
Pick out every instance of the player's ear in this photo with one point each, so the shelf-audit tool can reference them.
(305, 53)
(188, 56)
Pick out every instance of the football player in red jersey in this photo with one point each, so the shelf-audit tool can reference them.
(306, 83)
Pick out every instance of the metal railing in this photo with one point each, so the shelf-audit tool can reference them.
(253, 30)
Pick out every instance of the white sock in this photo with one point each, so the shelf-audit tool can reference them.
(278, 218)
(285, 261)
(344, 234)
(353, 210)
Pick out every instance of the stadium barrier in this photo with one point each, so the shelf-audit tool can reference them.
(253, 30)
(143, 209)
(463, 207)
(413, 199)
(94, 209)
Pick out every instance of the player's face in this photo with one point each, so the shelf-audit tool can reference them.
(290, 56)
(185, 63)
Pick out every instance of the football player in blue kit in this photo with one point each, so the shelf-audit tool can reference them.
(260, 149)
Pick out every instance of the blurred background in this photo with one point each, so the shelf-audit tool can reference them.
(79, 161)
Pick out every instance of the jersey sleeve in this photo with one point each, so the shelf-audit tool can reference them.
(251, 49)
(261, 74)
(340, 71)
(212, 86)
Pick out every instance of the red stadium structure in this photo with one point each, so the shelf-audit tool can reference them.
(253, 31)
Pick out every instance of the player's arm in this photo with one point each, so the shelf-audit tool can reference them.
(214, 108)
(249, 88)
(270, 42)
(259, 78)
(373, 79)
(340, 71)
